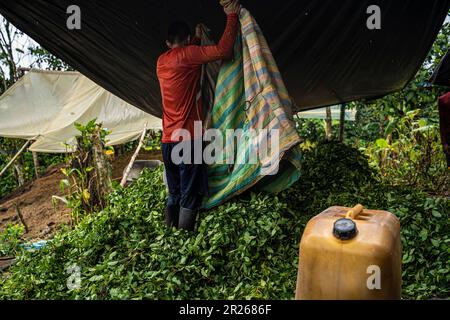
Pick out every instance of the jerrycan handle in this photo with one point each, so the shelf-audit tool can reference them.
(354, 212)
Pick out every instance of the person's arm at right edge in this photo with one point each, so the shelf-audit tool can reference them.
(222, 51)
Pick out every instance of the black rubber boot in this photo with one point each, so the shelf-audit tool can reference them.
(172, 215)
(187, 219)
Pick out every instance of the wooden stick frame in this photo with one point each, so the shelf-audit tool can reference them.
(133, 158)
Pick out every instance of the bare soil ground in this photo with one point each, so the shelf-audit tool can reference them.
(35, 199)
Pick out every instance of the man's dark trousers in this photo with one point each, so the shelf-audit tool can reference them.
(187, 182)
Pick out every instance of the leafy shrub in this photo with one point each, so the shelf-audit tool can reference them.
(87, 182)
(310, 129)
(412, 153)
(10, 240)
(153, 140)
(329, 168)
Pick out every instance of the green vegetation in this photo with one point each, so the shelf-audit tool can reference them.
(246, 248)
(10, 240)
(153, 141)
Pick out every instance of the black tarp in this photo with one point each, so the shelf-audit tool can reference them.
(324, 49)
(441, 76)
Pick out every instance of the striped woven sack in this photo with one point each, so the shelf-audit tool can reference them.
(252, 112)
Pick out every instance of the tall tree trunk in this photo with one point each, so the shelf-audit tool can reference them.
(9, 57)
(342, 124)
(102, 170)
(328, 125)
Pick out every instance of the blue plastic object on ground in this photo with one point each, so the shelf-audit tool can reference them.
(35, 245)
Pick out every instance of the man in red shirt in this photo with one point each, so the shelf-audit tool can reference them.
(179, 72)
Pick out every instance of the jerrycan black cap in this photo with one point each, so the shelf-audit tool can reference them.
(344, 229)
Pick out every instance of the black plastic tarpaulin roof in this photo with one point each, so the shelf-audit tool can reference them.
(324, 49)
(441, 75)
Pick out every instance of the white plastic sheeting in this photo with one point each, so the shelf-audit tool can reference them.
(46, 104)
(350, 115)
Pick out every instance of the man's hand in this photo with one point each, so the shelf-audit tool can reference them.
(199, 30)
(234, 7)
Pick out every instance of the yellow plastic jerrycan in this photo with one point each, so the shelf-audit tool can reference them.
(350, 254)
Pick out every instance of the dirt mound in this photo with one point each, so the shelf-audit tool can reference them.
(34, 199)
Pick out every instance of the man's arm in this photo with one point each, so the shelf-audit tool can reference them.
(223, 50)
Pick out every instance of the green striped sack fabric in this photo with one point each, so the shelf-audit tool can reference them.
(252, 111)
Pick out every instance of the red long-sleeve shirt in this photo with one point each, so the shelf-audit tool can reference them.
(179, 72)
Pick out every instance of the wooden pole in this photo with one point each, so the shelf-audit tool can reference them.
(36, 163)
(133, 158)
(19, 213)
(16, 156)
(342, 124)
